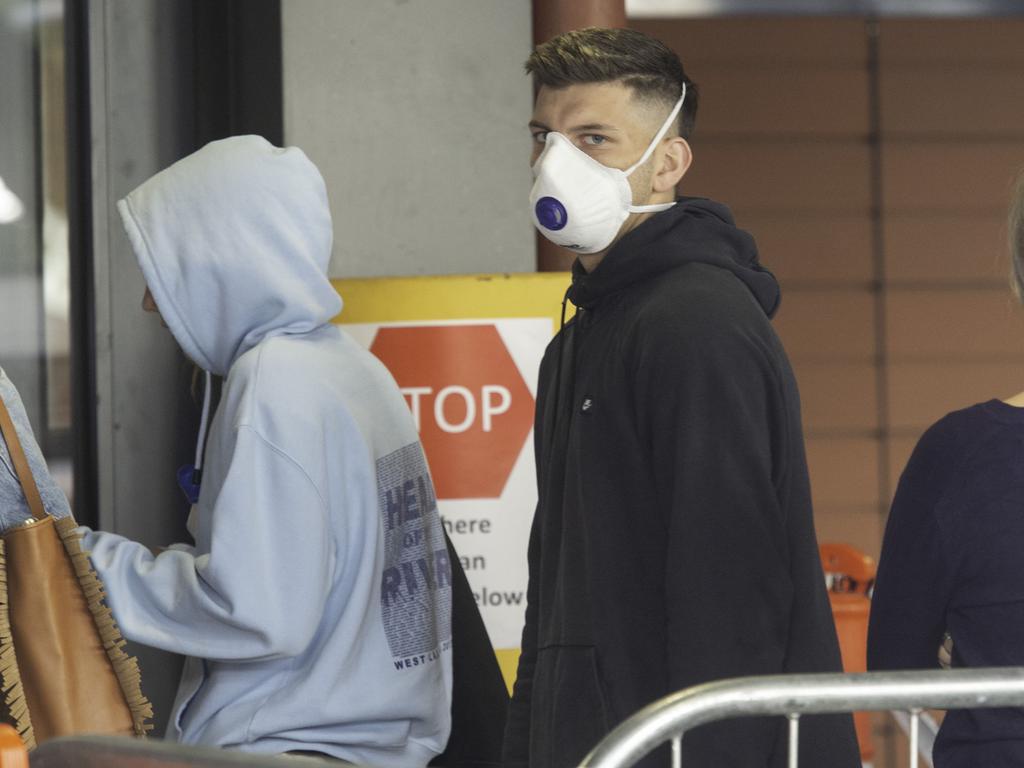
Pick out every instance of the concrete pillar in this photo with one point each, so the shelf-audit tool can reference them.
(551, 18)
(415, 113)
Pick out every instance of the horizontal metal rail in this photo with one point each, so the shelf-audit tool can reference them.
(794, 695)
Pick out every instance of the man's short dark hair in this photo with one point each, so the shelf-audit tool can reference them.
(598, 55)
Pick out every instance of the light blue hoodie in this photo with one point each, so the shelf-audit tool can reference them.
(315, 604)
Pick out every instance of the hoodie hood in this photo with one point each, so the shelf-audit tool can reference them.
(234, 242)
(694, 230)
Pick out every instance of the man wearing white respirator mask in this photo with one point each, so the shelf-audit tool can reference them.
(673, 541)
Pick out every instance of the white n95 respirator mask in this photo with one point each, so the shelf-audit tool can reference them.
(579, 203)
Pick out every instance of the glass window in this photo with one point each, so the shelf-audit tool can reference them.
(34, 260)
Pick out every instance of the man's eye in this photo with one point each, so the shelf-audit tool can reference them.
(594, 139)
(540, 136)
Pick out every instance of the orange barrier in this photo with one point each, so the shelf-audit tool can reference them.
(12, 749)
(851, 574)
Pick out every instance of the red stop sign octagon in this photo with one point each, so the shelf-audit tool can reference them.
(470, 403)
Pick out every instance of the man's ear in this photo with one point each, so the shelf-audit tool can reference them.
(675, 162)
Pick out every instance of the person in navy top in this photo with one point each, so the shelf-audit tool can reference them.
(952, 559)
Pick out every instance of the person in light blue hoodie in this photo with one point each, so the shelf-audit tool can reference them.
(315, 603)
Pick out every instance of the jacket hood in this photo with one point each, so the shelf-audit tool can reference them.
(234, 242)
(694, 230)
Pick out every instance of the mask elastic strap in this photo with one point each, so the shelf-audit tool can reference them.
(651, 208)
(660, 134)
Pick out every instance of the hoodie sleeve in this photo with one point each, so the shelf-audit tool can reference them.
(258, 593)
(914, 582)
(712, 408)
(710, 405)
(743, 585)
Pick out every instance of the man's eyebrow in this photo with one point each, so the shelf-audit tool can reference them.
(604, 128)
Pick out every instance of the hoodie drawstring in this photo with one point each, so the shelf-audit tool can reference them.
(558, 364)
(191, 475)
(197, 473)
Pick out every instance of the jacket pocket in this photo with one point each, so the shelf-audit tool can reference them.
(570, 712)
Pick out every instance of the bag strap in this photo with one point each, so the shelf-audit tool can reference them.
(21, 467)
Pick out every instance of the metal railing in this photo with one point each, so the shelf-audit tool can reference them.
(794, 695)
(128, 752)
(927, 730)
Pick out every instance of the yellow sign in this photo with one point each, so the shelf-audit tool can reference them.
(465, 351)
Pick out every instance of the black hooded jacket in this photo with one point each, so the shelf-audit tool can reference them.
(673, 541)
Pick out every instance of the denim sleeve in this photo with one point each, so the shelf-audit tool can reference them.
(13, 507)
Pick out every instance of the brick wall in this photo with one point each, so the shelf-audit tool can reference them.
(872, 161)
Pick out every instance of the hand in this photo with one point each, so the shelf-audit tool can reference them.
(946, 651)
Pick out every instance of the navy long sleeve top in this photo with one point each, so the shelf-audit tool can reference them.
(953, 560)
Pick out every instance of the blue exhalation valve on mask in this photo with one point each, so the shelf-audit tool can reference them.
(551, 213)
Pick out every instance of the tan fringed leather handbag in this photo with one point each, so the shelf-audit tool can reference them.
(63, 668)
